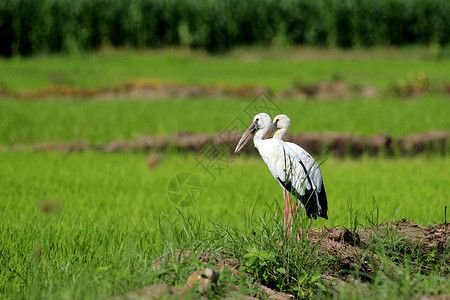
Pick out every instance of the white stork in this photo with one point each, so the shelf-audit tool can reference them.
(284, 164)
(283, 123)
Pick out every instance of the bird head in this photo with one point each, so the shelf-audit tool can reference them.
(279, 122)
(260, 121)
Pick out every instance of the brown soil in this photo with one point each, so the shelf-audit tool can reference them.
(352, 247)
(151, 89)
(335, 143)
(141, 88)
(352, 250)
(337, 90)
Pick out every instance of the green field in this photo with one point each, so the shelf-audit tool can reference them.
(91, 182)
(277, 69)
(87, 225)
(26, 122)
(106, 211)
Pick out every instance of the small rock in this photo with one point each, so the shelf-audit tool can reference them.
(153, 161)
(205, 278)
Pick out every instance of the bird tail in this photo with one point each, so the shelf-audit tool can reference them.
(323, 203)
(315, 203)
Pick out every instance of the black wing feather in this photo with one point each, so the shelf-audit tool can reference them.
(308, 199)
(323, 203)
(311, 199)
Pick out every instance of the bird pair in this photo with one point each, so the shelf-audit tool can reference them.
(291, 166)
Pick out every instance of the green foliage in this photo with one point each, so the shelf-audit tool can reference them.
(33, 27)
(258, 263)
(24, 122)
(89, 225)
(406, 271)
(277, 69)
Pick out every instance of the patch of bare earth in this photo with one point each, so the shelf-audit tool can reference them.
(336, 89)
(151, 89)
(141, 88)
(338, 144)
(350, 248)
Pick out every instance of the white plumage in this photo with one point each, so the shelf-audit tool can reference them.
(284, 164)
(283, 123)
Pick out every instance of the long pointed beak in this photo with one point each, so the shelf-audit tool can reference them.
(270, 131)
(246, 137)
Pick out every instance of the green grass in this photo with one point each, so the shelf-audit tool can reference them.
(128, 189)
(103, 229)
(88, 225)
(102, 121)
(277, 69)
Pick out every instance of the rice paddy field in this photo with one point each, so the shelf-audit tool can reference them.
(89, 224)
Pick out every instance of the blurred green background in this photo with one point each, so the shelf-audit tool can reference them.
(83, 222)
(30, 27)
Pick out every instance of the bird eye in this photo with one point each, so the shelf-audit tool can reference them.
(257, 119)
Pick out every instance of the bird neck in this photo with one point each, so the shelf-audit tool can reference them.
(259, 136)
(280, 133)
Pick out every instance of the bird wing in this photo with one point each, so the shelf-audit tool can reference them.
(291, 173)
(284, 164)
(315, 174)
(310, 163)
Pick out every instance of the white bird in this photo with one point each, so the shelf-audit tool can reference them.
(284, 164)
(283, 123)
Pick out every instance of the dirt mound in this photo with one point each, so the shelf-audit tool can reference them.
(336, 89)
(141, 88)
(351, 248)
(335, 143)
(435, 236)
